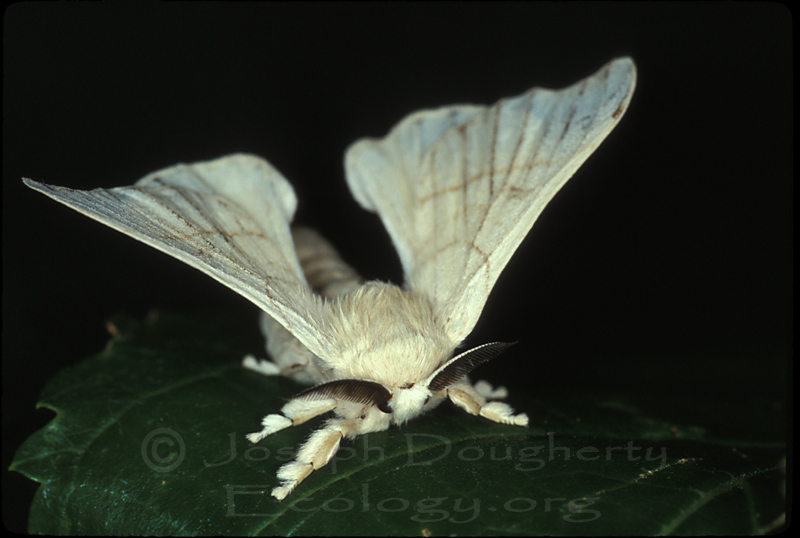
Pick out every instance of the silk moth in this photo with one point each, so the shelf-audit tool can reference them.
(457, 189)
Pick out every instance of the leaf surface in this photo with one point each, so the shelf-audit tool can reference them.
(148, 438)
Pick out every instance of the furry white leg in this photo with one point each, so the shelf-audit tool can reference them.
(293, 413)
(484, 388)
(473, 402)
(260, 365)
(314, 454)
(269, 368)
(503, 413)
(290, 357)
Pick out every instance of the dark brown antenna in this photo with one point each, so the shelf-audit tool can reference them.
(461, 365)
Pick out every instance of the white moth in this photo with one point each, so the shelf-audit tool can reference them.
(457, 188)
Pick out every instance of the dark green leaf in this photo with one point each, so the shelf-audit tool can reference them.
(148, 438)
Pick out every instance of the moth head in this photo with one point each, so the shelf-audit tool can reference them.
(410, 399)
(356, 397)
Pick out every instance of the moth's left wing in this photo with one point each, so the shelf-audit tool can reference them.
(458, 188)
(228, 218)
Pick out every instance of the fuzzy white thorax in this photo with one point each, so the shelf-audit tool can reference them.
(391, 336)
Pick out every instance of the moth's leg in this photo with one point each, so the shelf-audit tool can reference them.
(351, 419)
(293, 413)
(262, 366)
(470, 400)
(484, 388)
(324, 269)
(314, 454)
(290, 357)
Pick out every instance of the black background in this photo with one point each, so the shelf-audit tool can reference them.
(671, 245)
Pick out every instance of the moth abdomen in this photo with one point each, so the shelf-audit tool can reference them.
(325, 271)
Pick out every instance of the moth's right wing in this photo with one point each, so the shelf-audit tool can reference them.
(228, 218)
(458, 187)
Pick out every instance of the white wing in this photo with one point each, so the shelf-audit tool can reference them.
(458, 188)
(229, 218)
